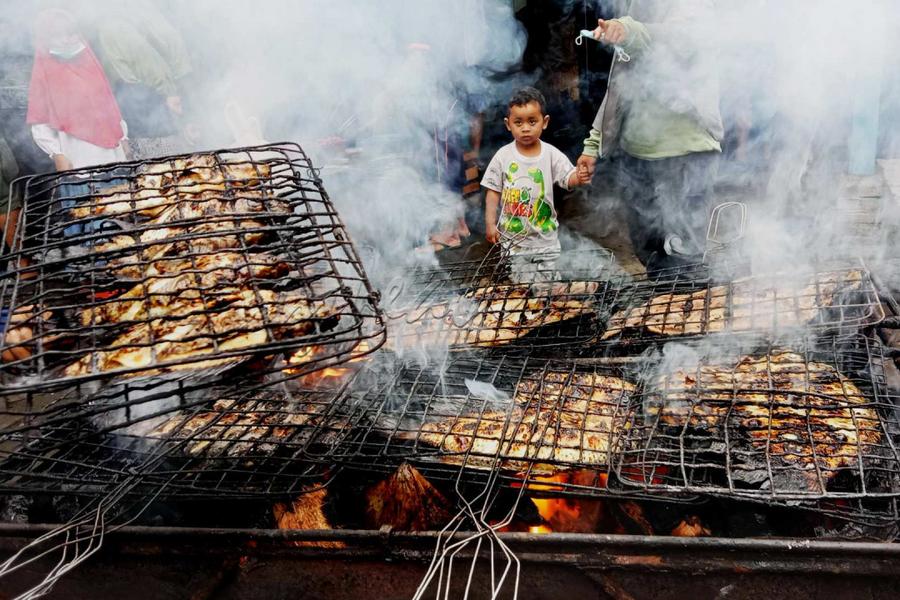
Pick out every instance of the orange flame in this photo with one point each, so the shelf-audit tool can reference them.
(308, 354)
(568, 514)
(539, 529)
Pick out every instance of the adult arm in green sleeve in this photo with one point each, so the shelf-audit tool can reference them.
(637, 36)
(166, 39)
(687, 29)
(592, 144)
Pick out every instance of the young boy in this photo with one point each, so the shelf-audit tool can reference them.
(520, 180)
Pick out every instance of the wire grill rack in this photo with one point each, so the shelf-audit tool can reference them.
(502, 301)
(807, 422)
(693, 301)
(191, 263)
(473, 415)
(219, 443)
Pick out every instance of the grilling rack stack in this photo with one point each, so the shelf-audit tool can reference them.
(543, 384)
(152, 305)
(782, 401)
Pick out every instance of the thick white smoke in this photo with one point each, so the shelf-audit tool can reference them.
(801, 82)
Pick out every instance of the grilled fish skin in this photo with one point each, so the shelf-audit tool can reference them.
(182, 279)
(231, 320)
(158, 186)
(561, 417)
(242, 428)
(493, 315)
(154, 244)
(747, 304)
(796, 414)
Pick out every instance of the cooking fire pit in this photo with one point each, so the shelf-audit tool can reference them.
(582, 420)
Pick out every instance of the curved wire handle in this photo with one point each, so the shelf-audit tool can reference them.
(620, 53)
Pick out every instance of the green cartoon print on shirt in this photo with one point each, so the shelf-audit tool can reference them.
(523, 199)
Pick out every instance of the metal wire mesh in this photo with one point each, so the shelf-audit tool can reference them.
(530, 419)
(811, 421)
(187, 263)
(692, 302)
(502, 301)
(218, 442)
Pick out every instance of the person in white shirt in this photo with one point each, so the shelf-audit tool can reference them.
(519, 182)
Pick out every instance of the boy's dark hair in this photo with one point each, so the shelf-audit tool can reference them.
(528, 94)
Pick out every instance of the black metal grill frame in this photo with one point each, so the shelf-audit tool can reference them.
(281, 205)
(475, 303)
(383, 421)
(672, 304)
(707, 457)
(213, 442)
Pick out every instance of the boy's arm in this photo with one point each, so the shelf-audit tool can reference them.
(491, 205)
(565, 175)
(493, 182)
(577, 178)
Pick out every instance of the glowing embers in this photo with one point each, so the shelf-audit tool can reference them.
(678, 305)
(808, 422)
(185, 264)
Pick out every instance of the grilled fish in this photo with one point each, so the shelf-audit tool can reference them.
(494, 315)
(161, 186)
(154, 244)
(793, 413)
(248, 428)
(561, 417)
(182, 279)
(231, 320)
(747, 304)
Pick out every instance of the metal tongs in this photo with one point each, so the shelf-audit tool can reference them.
(727, 227)
(620, 53)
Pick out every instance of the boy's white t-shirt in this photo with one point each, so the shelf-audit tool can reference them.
(525, 183)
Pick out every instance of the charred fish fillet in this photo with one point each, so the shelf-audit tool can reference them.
(242, 428)
(744, 305)
(182, 279)
(559, 421)
(160, 186)
(229, 321)
(154, 244)
(493, 316)
(797, 414)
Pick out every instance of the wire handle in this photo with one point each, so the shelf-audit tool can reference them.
(620, 53)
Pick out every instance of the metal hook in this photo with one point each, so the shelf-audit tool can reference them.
(619, 52)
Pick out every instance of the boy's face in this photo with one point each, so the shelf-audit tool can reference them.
(526, 123)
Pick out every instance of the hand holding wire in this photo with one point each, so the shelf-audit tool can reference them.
(612, 33)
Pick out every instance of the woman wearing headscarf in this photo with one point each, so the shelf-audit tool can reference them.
(73, 114)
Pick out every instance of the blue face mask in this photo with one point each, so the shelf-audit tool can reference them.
(67, 53)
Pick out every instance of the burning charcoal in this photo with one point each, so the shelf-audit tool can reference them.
(691, 526)
(524, 509)
(307, 511)
(406, 501)
(631, 518)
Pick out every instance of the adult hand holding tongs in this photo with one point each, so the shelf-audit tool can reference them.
(612, 33)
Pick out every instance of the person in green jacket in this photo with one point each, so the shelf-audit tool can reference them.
(147, 62)
(660, 123)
